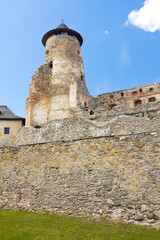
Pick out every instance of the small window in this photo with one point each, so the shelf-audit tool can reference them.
(151, 89)
(37, 126)
(134, 93)
(112, 106)
(82, 77)
(0, 112)
(111, 96)
(152, 99)
(51, 64)
(91, 112)
(122, 94)
(6, 130)
(137, 102)
(85, 104)
(78, 52)
(140, 90)
(47, 51)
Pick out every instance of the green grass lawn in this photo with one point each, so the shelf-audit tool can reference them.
(20, 225)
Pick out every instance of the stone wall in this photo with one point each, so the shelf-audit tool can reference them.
(99, 168)
(131, 97)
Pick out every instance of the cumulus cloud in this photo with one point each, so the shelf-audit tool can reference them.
(147, 17)
(106, 32)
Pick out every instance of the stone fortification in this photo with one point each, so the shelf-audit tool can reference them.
(131, 97)
(58, 86)
(80, 155)
(99, 165)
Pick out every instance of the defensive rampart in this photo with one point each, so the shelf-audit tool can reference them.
(102, 167)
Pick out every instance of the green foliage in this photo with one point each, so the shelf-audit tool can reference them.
(145, 114)
(20, 225)
(142, 114)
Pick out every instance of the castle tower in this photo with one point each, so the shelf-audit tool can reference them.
(58, 87)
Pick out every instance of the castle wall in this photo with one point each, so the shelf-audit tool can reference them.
(131, 97)
(116, 177)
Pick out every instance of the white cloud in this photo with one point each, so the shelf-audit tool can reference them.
(147, 17)
(106, 32)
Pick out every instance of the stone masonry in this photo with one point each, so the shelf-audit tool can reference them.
(96, 165)
(79, 155)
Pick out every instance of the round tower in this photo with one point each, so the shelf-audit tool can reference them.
(58, 87)
(63, 52)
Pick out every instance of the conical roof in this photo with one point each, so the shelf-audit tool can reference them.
(62, 25)
(62, 28)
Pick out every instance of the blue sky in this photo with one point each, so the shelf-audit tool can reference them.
(120, 50)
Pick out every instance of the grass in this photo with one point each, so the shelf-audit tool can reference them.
(20, 225)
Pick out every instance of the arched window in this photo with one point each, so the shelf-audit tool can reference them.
(134, 93)
(152, 99)
(151, 89)
(112, 106)
(137, 102)
(140, 90)
(111, 96)
(122, 94)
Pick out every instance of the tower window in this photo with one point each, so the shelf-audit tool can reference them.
(151, 89)
(0, 112)
(152, 99)
(122, 94)
(91, 112)
(51, 64)
(6, 130)
(82, 77)
(137, 102)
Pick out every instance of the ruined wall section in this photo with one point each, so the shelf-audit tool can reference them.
(38, 101)
(131, 97)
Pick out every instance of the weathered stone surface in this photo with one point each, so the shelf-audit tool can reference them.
(113, 176)
(99, 157)
(58, 86)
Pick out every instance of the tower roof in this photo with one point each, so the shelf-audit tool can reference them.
(62, 28)
(62, 25)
